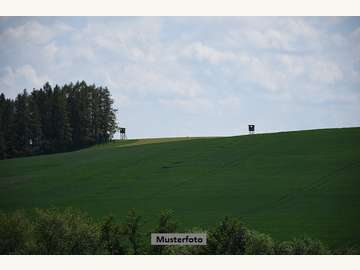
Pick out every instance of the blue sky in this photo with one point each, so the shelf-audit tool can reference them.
(196, 76)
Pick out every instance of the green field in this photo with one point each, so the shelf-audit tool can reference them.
(285, 184)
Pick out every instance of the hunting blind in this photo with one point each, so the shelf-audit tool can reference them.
(251, 129)
(122, 133)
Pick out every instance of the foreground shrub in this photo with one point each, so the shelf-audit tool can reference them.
(351, 250)
(228, 238)
(69, 231)
(15, 230)
(113, 237)
(308, 246)
(166, 224)
(187, 250)
(65, 232)
(302, 246)
(259, 244)
(132, 230)
(285, 248)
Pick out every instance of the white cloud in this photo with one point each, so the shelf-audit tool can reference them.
(325, 71)
(189, 105)
(189, 64)
(134, 39)
(293, 64)
(34, 32)
(318, 70)
(283, 34)
(142, 82)
(300, 28)
(263, 39)
(12, 81)
(50, 51)
(203, 52)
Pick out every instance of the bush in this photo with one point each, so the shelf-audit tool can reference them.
(187, 250)
(166, 222)
(15, 231)
(284, 248)
(166, 225)
(302, 246)
(308, 246)
(69, 231)
(228, 238)
(132, 230)
(113, 237)
(350, 250)
(65, 232)
(259, 244)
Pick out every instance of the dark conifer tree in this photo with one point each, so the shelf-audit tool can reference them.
(2, 131)
(21, 127)
(85, 115)
(60, 122)
(54, 120)
(108, 117)
(35, 123)
(7, 120)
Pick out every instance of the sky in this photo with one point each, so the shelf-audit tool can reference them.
(196, 76)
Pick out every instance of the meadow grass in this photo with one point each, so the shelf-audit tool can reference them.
(284, 184)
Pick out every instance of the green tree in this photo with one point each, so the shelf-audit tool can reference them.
(2, 128)
(61, 126)
(107, 115)
(15, 232)
(301, 246)
(65, 232)
(7, 127)
(55, 120)
(132, 229)
(35, 125)
(259, 244)
(113, 237)
(229, 237)
(166, 224)
(22, 133)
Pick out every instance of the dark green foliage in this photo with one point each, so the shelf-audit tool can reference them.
(70, 231)
(259, 244)
(233, 237)
(229, 237)
(166, 222)
(166, 225)
(36, 132)
(284, 248)
(14, 233)
(56, 119)
(21, 126)
(2, 126)
(132, 230)
(350, 250)
(308, 246)
(61, 126)
(65, 232)
(301, 246)
(113, 237)
(7, 109)
(187, 250)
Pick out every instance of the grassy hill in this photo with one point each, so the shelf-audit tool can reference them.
(285, 184)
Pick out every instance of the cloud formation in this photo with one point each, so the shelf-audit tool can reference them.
(196, 76)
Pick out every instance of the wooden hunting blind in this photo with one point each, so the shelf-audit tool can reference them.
(122, 133)
(251, 129)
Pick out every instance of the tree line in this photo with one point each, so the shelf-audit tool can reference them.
(70, 231)
(55, 119)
